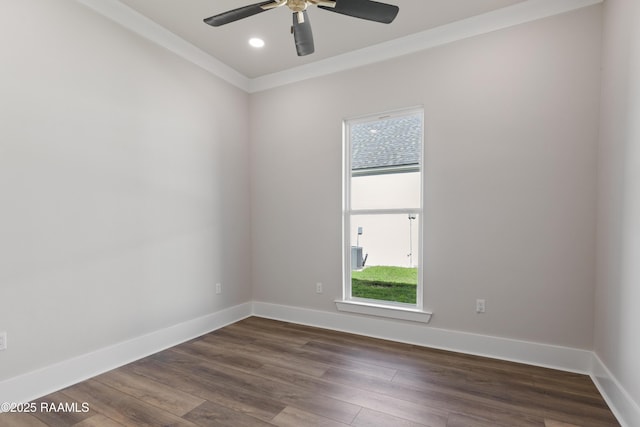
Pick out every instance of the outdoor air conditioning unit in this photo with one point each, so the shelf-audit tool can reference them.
(356, 258)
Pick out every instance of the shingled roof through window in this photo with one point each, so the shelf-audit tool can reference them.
(390, 142)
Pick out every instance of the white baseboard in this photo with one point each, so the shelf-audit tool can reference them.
(545, 355)
(619, 400)
(33, 385)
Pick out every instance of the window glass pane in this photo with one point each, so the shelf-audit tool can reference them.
(388, 191)
(384, 257)
(385, 162)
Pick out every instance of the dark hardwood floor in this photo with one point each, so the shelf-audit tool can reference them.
(261, 372)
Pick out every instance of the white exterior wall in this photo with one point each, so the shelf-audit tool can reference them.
(386, 239)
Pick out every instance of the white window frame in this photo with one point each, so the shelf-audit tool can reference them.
(390, 309)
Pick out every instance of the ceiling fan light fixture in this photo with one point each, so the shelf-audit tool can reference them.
(256, 42)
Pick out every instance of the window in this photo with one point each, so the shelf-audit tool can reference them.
(383, 212)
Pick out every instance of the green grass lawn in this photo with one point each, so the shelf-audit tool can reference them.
(385, 283)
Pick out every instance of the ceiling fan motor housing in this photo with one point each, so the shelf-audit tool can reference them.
(297, 5)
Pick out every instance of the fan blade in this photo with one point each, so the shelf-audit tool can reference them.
(302, 34)
(274, 4)
(328, 3)
(365, 9)
(237, 14)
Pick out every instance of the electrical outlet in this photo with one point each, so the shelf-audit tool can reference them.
(480, 306)
(3, 340)
(218, 288)
(318, 288)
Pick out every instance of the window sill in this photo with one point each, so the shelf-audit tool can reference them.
(381, 310)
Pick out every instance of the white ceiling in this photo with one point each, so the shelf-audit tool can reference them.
(334, 34)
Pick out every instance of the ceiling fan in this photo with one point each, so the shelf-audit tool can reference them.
(301, 29)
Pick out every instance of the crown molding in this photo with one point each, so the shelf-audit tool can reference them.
(520, 13)
(145, 27)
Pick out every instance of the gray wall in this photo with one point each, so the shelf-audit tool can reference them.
(124, 186)
(618, 289)
(511, 122)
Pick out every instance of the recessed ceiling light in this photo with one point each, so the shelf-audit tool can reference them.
(256, 42)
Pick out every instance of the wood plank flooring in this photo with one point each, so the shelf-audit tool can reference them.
(261, 372)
